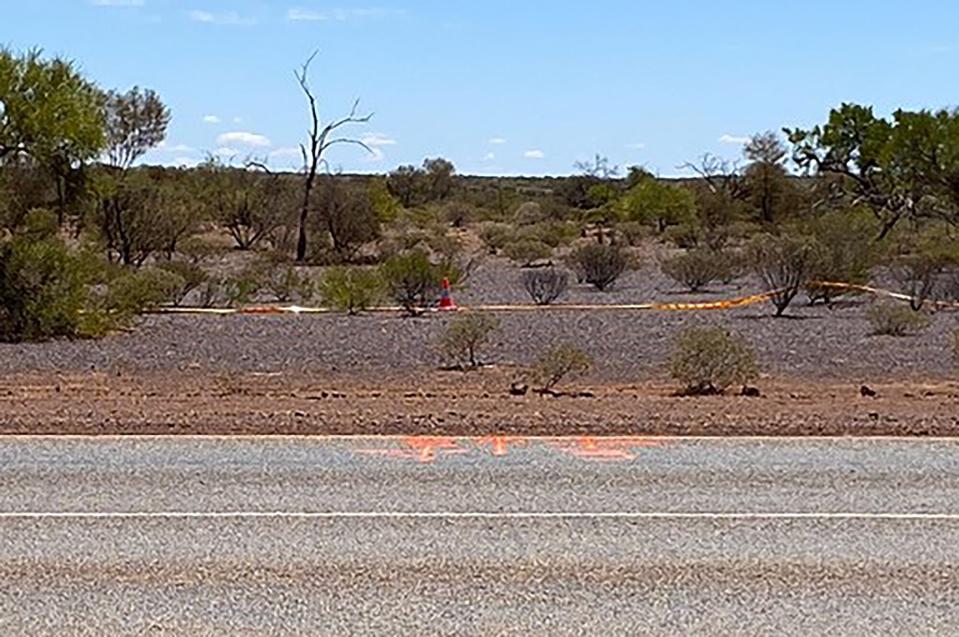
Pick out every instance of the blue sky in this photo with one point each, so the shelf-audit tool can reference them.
(500, 87)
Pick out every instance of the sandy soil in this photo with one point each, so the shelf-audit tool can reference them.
(455, 403)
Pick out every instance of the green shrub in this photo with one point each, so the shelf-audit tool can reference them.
(465, 335)
(846, 252)
(525, 252)
(599, 264)
(710, 360)
(412, 280)
(133, 292)
(784, 263)
(558, 363)
(696, 268)
(191, 274)
(351, 289)
(43, 289)
(888, 319)
(552, 233)
(545, 285)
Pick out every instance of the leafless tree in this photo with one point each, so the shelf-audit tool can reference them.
(322, 137)
(721, 176)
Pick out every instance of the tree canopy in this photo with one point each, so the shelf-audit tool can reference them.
(48, 111)
(906, 167)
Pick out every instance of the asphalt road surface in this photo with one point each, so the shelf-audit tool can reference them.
(226, 536)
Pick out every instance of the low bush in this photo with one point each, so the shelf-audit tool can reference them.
(552, 233)
(559, 363)
(496, 236)
(412, 280)
(545, 285)
(710, 360)
(135, 291)
(696, 268)
(351, 289)
(530, 213)
(599, 264)
(889, 319)
(464, 337)
(43, 289)
(785, 265)
(526, 252)
(191, 275)
(285, 283)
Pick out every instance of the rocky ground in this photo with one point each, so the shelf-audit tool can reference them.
(339, 374)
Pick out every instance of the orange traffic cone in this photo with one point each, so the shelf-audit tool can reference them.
(446, 300)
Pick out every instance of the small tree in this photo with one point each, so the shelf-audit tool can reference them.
(599, 264)
(784, 263)
(710, 360)
(465, 335)
(412, 280)
(846, 251)
(351, 289)
(545, 285)
(558, 363)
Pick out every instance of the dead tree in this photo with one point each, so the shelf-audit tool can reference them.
(322, 137)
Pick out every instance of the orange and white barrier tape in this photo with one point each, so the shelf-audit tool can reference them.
(727, 304)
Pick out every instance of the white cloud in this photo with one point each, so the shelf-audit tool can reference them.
(225, 151)
(733, 139)
(534, 154)
(228, 17)
(489, 157)
(243, 137)
(375, 155)
(289, 151)
(237, 120)
(496, 141)
(636, 146)
(187, 162)
(118, 3)
(374, 140)
(211, 119)
(179, 148)
(300, 14)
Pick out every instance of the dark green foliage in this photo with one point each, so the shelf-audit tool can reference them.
(412, 280)
(599, 264)
(134, 291)
(710, 360)
(43, 289)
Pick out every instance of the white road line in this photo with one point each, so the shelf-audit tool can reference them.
(474, 515)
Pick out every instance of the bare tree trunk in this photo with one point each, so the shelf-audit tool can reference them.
(319, 142)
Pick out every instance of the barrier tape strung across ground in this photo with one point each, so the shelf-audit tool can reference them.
(728, 304)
